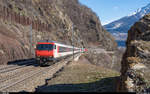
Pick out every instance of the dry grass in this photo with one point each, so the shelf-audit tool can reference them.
(83, 73)
(82, 76)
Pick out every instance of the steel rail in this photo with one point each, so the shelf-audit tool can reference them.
(23, 62)
(11, 76)
(12, 68)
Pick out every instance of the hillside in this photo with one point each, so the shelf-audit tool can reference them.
(50, 19)
(135, 64)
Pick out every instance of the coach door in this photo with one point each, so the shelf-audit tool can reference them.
(55, 51)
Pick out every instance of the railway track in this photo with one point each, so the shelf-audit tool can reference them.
(15, 64)
(14, 80)
(7, 76)
(20, 82)
(15, 67)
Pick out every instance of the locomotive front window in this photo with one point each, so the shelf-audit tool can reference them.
(44, 47)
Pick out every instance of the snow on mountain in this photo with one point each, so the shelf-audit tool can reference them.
(134, 13)
(117, 25)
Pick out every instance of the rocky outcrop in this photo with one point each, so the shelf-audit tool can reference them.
(135, 71)
(50, 19)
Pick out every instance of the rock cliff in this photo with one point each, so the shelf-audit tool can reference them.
(135, 67)
(48, 19)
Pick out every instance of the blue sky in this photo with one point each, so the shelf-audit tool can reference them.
(110, 10)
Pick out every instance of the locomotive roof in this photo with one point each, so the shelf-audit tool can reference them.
(51, 41)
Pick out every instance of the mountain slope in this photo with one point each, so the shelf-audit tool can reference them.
(119, 28)
(50, 19)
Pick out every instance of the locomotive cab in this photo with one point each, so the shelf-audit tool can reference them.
(44, 52)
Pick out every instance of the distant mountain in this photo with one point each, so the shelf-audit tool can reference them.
(119, 28)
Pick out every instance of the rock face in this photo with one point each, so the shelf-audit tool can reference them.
(50, 19)
(135, 71)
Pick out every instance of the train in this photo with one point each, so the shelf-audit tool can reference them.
(48, 52)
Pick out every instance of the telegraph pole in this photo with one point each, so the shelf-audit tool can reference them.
(31, 39)
(30, 33)
(113, 58)
(73, 39)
